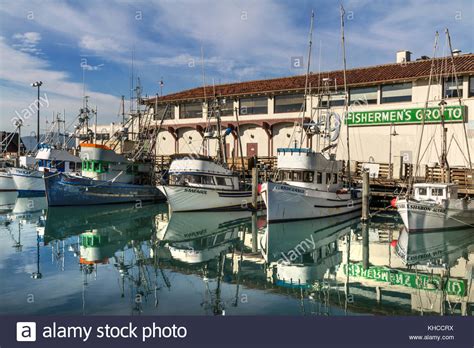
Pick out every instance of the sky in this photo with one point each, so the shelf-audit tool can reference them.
(77, 46)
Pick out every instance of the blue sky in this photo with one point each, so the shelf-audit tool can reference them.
(241, 40)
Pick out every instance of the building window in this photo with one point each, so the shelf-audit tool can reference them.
(449, 87)
(366, 95)
(161, 109)
(399, 92)
(190, 110)
(226, 107)
(102, 136)
(253, 106)
(471, 86)
(336, 99)
(288, 103)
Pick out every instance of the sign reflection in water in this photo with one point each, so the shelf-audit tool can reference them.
(127, 259)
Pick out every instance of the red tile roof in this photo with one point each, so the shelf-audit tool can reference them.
(372, 75)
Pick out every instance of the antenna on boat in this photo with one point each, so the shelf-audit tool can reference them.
(459, 97)
(346, 97)
(303, 114)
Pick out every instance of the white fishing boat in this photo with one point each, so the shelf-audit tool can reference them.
(431, 206)
(308, 186)
(49, 159)
(309, 183)
(199, 183)
(435, 206)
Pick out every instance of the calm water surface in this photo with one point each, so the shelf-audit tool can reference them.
(127, 259)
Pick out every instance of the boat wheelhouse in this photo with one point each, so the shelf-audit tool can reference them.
(201, 172)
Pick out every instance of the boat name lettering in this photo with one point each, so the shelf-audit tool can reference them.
(202, 192)
(292, 189)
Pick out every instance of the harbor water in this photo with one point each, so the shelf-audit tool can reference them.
(139, 259)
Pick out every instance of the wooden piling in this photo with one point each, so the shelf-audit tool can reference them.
(365, 195)
(255, 187)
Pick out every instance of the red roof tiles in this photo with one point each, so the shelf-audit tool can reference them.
(372, 75)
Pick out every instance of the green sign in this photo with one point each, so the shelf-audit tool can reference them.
(405, 116)
(407, 279)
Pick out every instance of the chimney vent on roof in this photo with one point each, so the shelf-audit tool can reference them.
(456, 52)
(403, 56)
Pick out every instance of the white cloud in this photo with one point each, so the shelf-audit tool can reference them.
(27, 42)
(104, 44)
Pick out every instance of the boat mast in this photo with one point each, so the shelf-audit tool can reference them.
(459, 97)
(303, 114)
(423, 120)
(346, 97)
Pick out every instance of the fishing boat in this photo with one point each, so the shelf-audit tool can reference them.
(431, 206)
(197, 183)
(107, 177)
(49, 159)
(435, 206)
(308, 186)
(309, 183)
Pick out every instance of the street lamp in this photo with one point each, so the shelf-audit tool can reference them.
(37, 84)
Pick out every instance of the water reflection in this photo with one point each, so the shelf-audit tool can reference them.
(134, 259)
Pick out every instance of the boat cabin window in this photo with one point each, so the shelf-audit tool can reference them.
(319, 178)
(72, 166)
(222, 181)
(191, 179)
(296, 175)
(422, 191)
(437, 192)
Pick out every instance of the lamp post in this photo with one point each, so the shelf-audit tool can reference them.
(37, 84)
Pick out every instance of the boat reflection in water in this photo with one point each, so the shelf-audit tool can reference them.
(200, 241)
(120, 233)
(299, 254)
(7, 200)
(198, 237)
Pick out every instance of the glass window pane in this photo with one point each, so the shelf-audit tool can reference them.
(190, 110)
(253, 106)
(449, 88)
(288, 103)
(161, 109)
(366, 95)
(399, 92)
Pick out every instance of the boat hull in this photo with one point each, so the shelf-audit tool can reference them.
(288, 203)
(28, 182)
(66, 190)
(185, 198)
(6, 182)
(419, 216)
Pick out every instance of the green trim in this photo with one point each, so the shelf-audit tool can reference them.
(95, 166)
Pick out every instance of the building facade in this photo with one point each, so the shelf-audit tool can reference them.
(386, 108)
